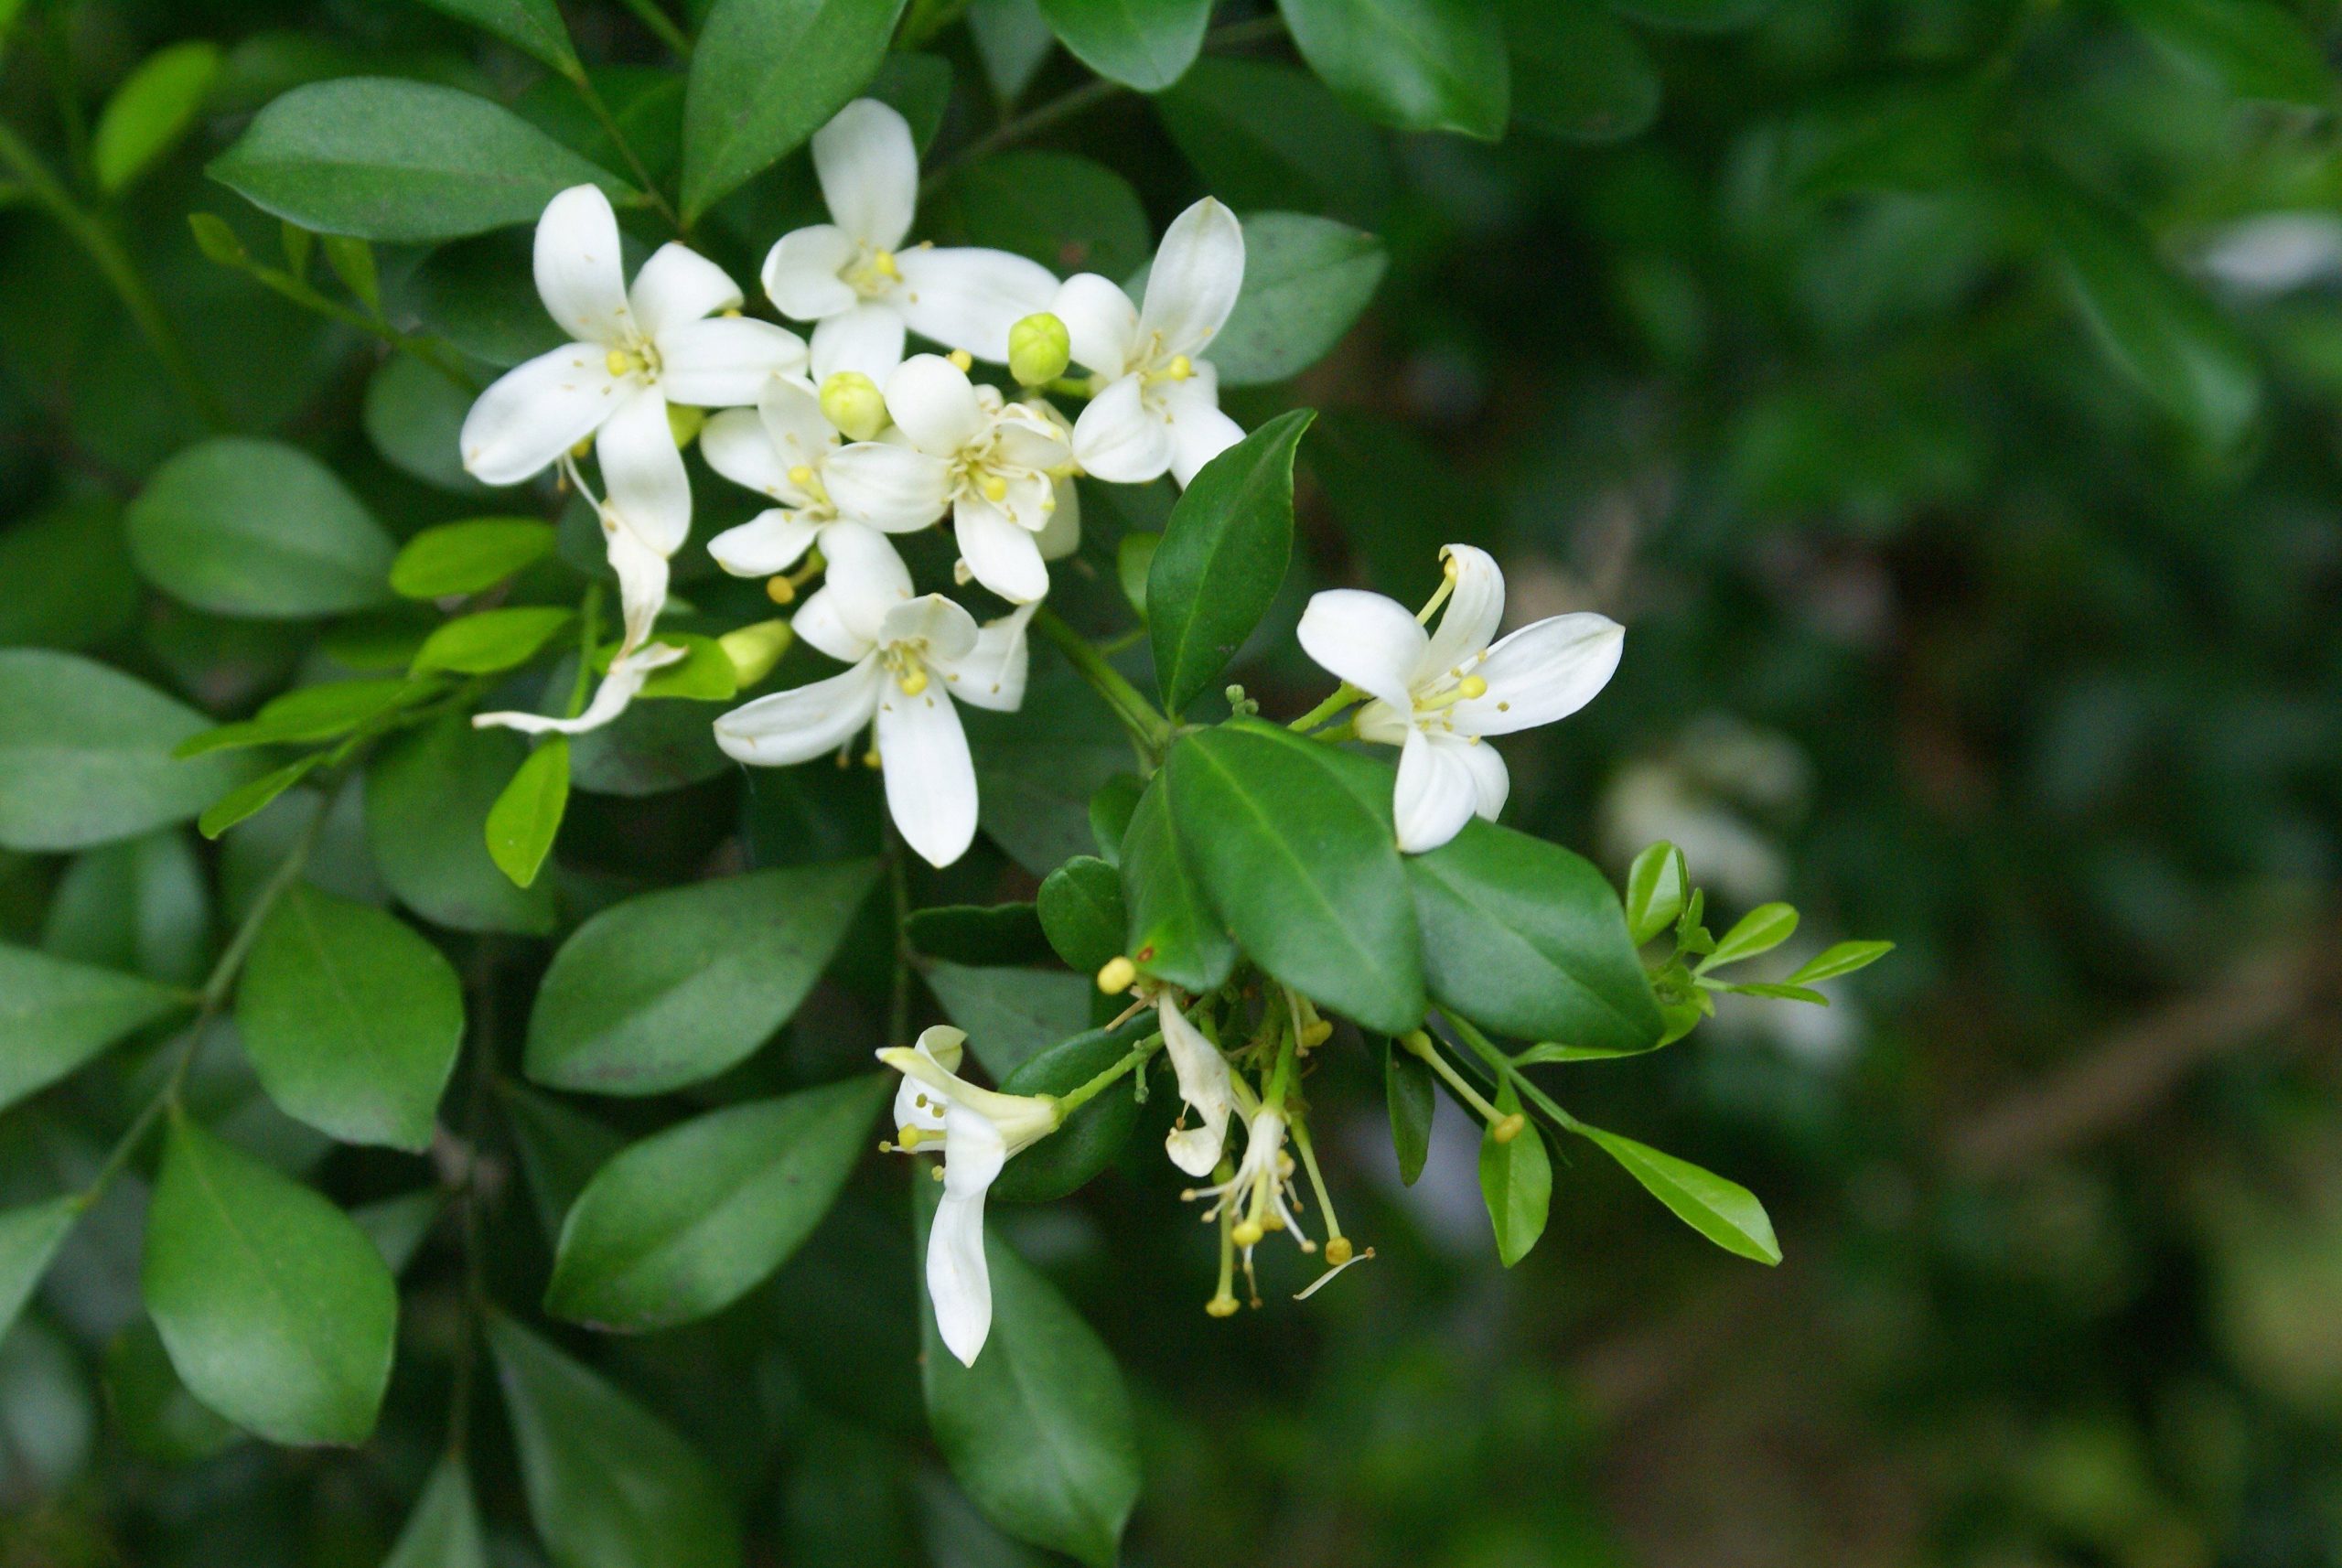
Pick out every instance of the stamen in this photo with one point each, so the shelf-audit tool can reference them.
(964, 361)
(1117, 975)
(882, 264)
(994, 488)
(619, 363)
(801, 476)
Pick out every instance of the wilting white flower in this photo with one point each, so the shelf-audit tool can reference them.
(981, 1130)
(1436, 696)
(1203, 1083)
(855, 277)
(961, 448)
(779, 449)
(1160, 407)
(1260, 1193)
(865, 614)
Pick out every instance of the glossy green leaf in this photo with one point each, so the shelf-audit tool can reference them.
(351, 1019)
(1656, 885)
(468, 557)
(1577, 73)
(1516, 1182)
(394, 161)
(1062, 1162)
(1421, 65)
(55, 1015)
(2255, 49)
(1292, 842)
(427, 800)
(765, 75)
(1110, 811)
(1411, 1096)
(532, 27)
(143, 906)
(1526, 937)
(704, 675)
(306, 714)
(443, 1531)
(917, 87)
(1036, 768)
(1760, 930)
(979, 934)
(1306, 280)
(1174, 933)
(1012, 41)
(526, 817)
(491, 640)
(686, 1222)
(1039, 1432)
(155, 105)
(675, 986)
(413, 415)
(561, 1149)
(245, 527)
(481, 296)
(277, 1310)
(1222, 557)
(152, 1409)
(607, 1482)
(1724, 1212)
(1081, 910)
(399, 1226)
(29, 1238)
(1011, 1014)
(254, 796)
(1134, 559)
(1143, 44)
(1067, 213)
(1840, 958)
(1264, 134)
(1778, 991)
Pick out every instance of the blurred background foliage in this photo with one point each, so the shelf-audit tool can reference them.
(1943, 394)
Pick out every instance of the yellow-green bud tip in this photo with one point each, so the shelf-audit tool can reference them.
(755, 649)
(780, 590)
(1506, 1131)
(1116, 975)
(684, 422)
(1039, 348)
(1337, 1251)
(851, 401)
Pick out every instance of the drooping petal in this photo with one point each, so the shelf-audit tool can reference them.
(1491, 782)
(968, 297)
(1001, 555)
(611, 698)
(678, 284)
(800, 273)
(1021, 442)
(930, 780)
(895, 488)
(1378, 722)
(725, 362)
(1199, 430)
(1100, 321)
(935, 405)
(737, 445)
(867, 337)
(1436, 792)
(864, 578)
(1542, 673)
(770, 541)
(641, 571)
(958, 1282)
(1199, 272)
(1473, 610)
(932, 624)
(819, 625)
(1061, 536)
(800, 431)
(1119, 439)
(580, 269)
(537, 410)
(916, 1104)
(991, 674)
(1203, 1084)
(642, 473)
(870, 172)
(1370, 642)
(803, 721)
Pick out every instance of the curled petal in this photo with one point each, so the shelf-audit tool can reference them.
(643, 473)
(1100, 319)
(1203, 1083)
(870, 172)
(1199, 432)
(865, 579)
(1474, 611)
(537, 410)
(930, 780)
(819, 625)
(1370, 642)
(642, 581)
(1001, 555)
(580, 271)
(792, 416)
(1437, 791)
(803, 721)
(894, 489)
(678, 284)
(770, 541)
(991, 675)
(867, 337)
(968, 297)
(940, 627)
(1022, 443)
(800, 273)
(1491, 782)
(1542, 673)
(935, 405)
(610, 698)
(958, 1282)
(1198, 271)
(1121, 440)
(725, 362)
(736, 446)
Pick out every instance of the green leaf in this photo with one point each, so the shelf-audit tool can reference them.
(1293, 843)
(353, 262)
(1724, 1212)
(443, 1531)
(1840, 958)
(1013, 40)
(394, 161)
(1760, 930)
(561, 1149)
(1039, 1432)
(468, 557)
(1222, 557)
(399, 1226)
(351, 1020)
(765, 75)
(245, 527)
(1066, 212)
(413, 416)
(155, 105)
(1656, 885)
(1062, 1162)
(1576, 72)
(916, 86)
(427, 800)
(685, 1223)
(1263, 135)
(673, 987)
(976, 934)
(1134, 559)
(704, 675)
(1036, 769)
(1110, 811)
(151, 1408)
(1516, 1182)
(250, 798)
(66, 580)
(1411, 1096)
(1081, 910)
(55, 1015)
(1420, 65)
(491, 640)
(532, 27)
(1776, 991)
(143, 905)
(1305, 280)
(1696, 16)
(277, 1310)
(306, 714)
(85, 755)
(526, 817)
(29, 1238)
(607, 1482)
(1526, 938)
(1174, 933)
(1143, 44)
(2255, 49)
(481, 296)
(1011, 1014)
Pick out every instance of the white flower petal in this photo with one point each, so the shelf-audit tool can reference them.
(678, 284)
(991, 675)
(870, 172)
(1061, 536)
(737, 445)
(580, 269)
(930, 780)
(1100, 319)
(725, 362)
(941, 628)
(1199, 430)
(643, 473)
(1029, 443)
(968, 297)
(803, 721)
(1198, 271)
(892, 487)
(1491, 783)
(1469, 623)
(1121, 440)
(611, 698)
(1542, 673)
(792, 416)
(537, 410)
(820, 625)
(1436, 792)
(1370, 642)
(1001, 556)
(959, 1282)
(641, 571)
(864, 577)
(935, 405)
(1384, 724)
(800, 273)
(767, 543)
(1203, 1084)
(867, 337)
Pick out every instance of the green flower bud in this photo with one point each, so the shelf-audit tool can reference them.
(755, 649)
(1039, 350)
(854, 403)
(685, 421)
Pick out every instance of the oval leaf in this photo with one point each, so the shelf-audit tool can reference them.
(428, 802)
(1081, 911)
(443, 1530)
(1411, 1096)
(532, 27)
(1173, 933)
(1091, 1138)
(259, 529)
(1306, 280)
(1842, 958)
(526, 817)
(55, 1015)
(1011, 1015)
(1143, 44)
(1724, 1212)
(1656, 885)
(1577, 73)
(491, 640)
(467, 557)
(1760, 930)
(153, 108)
(1222, 556)
(1421, 65)
(1516, 1182)
(765, 75)
(29, 1238)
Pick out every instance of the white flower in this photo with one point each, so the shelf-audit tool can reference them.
(1435, 696)
(1160, 407)
(779, 449)
(855, 277)
(1262, 1190)
(1203, 1084)
(959, 446)
(981, 1130)
(865, 614)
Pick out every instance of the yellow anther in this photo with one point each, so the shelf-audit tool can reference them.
(994, 488)
(1181, 367)
(870, 757)
(1117, 975)
(882, 264)
(1248, 1233)
(1451, 568)
(619, 363)
(913, 681)
(584, 449)
(1472, 686)
(1221, 1306)
(1506, 1131)
(800, 474)
(1337, 1251)
(780, 590)
(1271, 1220)
(909, 1137)
(964, 361)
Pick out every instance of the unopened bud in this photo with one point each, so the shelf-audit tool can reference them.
(853, 402)
(755, 649)
(685, 421)
(1117, 975)
(1506, 1131)
(1039, 348)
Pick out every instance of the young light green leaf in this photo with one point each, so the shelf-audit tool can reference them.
(1011, 1015)
(532, 27)
(1724, 1212)
(468, 557)
(1222, 557)
(765, 75)
(1143, 44)
(29, 1238)
(443, 1531)
(151, 110)
(254, 796)
(1411, 1096)
(491, 640)
(1420, 65)
(675, 986)
(1778, 991)
(1655, 884)
(55, 1015)
(1760, 930)
(1842, 958)
(1516, 1182)
(1577, 73)
(306, 714)
(351, 1019)
(277, 1310)
(526, 817)
(428, 800)
(607, 1482)
(684, 1223)
(246, 527)
(353, 262)
(1306, 280)
(1081, 910)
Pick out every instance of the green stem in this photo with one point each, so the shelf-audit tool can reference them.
(589, 617)
(1342, 697)
(662, 26)
(120, 272)
(1507, 1069)
(1148, 727)
(1458, 1084)
(430, 351)
(1082, 1094)
(608, 122)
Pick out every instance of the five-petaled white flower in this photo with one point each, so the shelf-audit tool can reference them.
(855, 277)
(981, 1130)
(911, 657)
(1160, 407)
(779, 449)
(960, 447)
(1436, 696)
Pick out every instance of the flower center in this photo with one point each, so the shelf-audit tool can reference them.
(907, 662)
(639, 358)
(873, 273)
